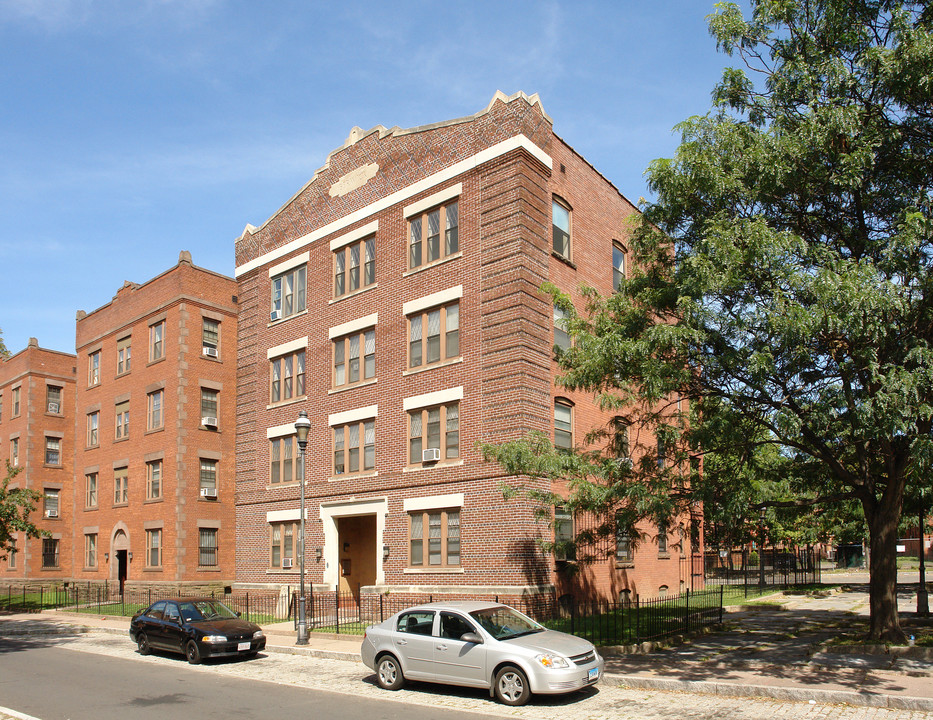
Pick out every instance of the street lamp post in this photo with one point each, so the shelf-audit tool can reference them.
(761, 546)
(302, 426)
(923, 600)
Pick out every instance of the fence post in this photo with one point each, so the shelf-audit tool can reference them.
(337, 609)
(637, 637)
(247, 607)
(687, 613)
(381, 616)
(720, 604)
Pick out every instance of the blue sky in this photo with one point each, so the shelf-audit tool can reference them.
(132, 129)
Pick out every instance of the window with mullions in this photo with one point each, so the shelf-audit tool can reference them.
(618, 265)
(354, 358)
(561, 336)
(90, 550)
(50, 552)
(154, 480)
(90, 490)
(563, 425)
(154, 548)
(624, 554)
(53, 451)
(93, 370)
(563, 534)
(434, 335)
(560, 221)
(354, 267)
(287, 379)
(289, 293)
(122, 430)
(436, 427)
(124, 355)
(207, 547)
(209, 403)
(120, 486)
(156, 341)
(156, 418)
(209, 476)
(434, 538)
(425, 243)
(354, 448)
(93, 428)
(53, 399)
(210, 334)
(283, 458)
(283, 547)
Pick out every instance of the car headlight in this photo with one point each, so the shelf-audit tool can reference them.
(552, 661)
(214, 639)
(258, 634)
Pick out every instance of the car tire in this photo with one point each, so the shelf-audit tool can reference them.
(192, 652)
(389, 673)
(511, 686)
(142, 644)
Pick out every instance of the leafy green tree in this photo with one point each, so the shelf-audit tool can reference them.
(793, 307)
(16, 506)
(4, 353)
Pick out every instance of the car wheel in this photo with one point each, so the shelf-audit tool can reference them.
(142, 644)
(192, 652)
(389, 673)
(512, 686)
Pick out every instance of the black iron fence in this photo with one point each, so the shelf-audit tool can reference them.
(778, 567)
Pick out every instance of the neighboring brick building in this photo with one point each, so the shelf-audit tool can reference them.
(37, 394)
(396, 299)
(154, 429)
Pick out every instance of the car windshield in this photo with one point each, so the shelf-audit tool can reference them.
(206, 610)
(504, 623)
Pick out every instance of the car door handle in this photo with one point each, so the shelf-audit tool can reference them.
(402, 642)
(441, 647)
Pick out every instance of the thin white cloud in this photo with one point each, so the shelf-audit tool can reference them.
(62, 16)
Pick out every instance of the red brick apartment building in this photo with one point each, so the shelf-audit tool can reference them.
(396, 299)
(154, 429)
(37, 395)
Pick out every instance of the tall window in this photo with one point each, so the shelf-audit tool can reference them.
(209, 404)
(563, 534)
(354, 448)
(207, 547)
(14, 452)
(434, 335)
(1, 406)
(157, 341)
(50, 552)
(51, 498)
(283, 458)
(93, 429)
(120, 486)
(210, 336)
(155, 410)
(154, 480)
(208, 476)
(433, 235)
(53, 399)
(662, 453)
(561, 336)
(662, 538)
(434, 538)
(434, 428)
(560, 219)
(53, 451)
(287, 377)
(289, 293)
(123, 420)
(355, 358)
(563, 425)
(624, 553)
(90, 550)
(124, 355)
(618, 265)
(154, 548)
(93, 368)
(354, 266)
(90, 490)
(283, 538)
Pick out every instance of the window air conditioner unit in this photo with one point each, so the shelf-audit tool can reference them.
(209, 493)
(276, 314)
(431, 455)
(286, 563)
(54, 407)
(209, 351)
(51, 513)
(209, 421)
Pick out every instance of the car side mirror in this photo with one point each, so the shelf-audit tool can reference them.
(472, 637)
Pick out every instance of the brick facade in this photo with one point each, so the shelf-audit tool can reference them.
(502, 167)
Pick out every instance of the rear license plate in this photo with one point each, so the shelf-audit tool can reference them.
(245, 646)
(593, 675)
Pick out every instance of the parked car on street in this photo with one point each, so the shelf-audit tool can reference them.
(479, 644)
(197, 628)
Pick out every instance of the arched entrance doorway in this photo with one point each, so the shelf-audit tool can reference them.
(120, 547)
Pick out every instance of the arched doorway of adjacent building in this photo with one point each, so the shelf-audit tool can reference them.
(120, 546)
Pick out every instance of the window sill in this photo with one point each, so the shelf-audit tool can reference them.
(625, 565)
(149, 501)
(344, 388)
(286, 319)
(433, 571)
(122, 374)
(203, 499)
(345, 296)
(120, 505)
(208, 569)
(432, 466)
(92, 508)
(55, 415)
(425, 368)
(290, 401)
(289, 484)
(53, 568)
(154, 430)
(281, 571)
(567, 261)
(152, 569)
(434, 263)
(92, 447)
(50, 466)
(156, 361)
(352, 476)
(119, 440)
(664, 556)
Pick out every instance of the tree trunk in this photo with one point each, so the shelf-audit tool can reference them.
(882, 586)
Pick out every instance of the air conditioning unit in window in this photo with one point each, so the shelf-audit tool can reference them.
(51, 513)
(54, 407)
(276, 315)
(209, 351)
(209, 493)
(286, 563)
(209, 421)
(431, 455)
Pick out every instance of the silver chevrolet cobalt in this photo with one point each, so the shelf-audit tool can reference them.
(479, 644)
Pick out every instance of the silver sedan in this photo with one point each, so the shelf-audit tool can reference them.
(479, 644)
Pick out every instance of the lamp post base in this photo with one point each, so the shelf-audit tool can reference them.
(302, 623)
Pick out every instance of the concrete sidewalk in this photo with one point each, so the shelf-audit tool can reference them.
(778, 650)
